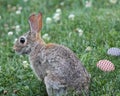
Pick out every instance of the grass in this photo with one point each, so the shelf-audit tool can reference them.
(100, 24)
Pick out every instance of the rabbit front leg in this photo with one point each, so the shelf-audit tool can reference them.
(37, 70)
(54, 87)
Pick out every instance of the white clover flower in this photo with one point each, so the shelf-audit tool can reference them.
(14, 8)
(25, 64)
(48, 20)
(113, 1)
(8, 6)
(25, 0)
(46, 37)
(26, 87)
(5, 25)
(56, 17)
(71, 17)
(10, 33)
(17, 28)
(88, 4)
(19, 8)
(18, 12)
(80, 31)
(58, 11)
(21, 56)
(15, 40)
(88, 48)
(13, 27)
(62, 3)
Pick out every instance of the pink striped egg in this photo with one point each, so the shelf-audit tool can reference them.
(105, 65)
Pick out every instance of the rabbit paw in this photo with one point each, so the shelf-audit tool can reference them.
(54, 87)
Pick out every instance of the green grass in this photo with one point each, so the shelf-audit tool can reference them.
(101, 30)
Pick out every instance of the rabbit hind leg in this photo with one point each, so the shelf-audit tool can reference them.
(54, 88)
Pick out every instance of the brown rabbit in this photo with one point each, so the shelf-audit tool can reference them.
(56, 65)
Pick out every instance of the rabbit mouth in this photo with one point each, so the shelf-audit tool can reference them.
(27, 52)
(23, 51)
(16, 49)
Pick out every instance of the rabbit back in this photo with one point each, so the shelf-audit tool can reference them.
(67, 66)
(60, 62)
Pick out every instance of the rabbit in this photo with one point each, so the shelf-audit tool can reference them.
(56, 65)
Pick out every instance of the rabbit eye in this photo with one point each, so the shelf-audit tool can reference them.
(22, 40)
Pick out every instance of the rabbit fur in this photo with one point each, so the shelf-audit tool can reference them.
(56, 65)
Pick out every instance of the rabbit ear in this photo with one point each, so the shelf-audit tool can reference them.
(35, 22)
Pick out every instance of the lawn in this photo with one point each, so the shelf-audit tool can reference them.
(88, 28)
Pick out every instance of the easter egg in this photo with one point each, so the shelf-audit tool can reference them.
(114, 51)
(106, 65)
